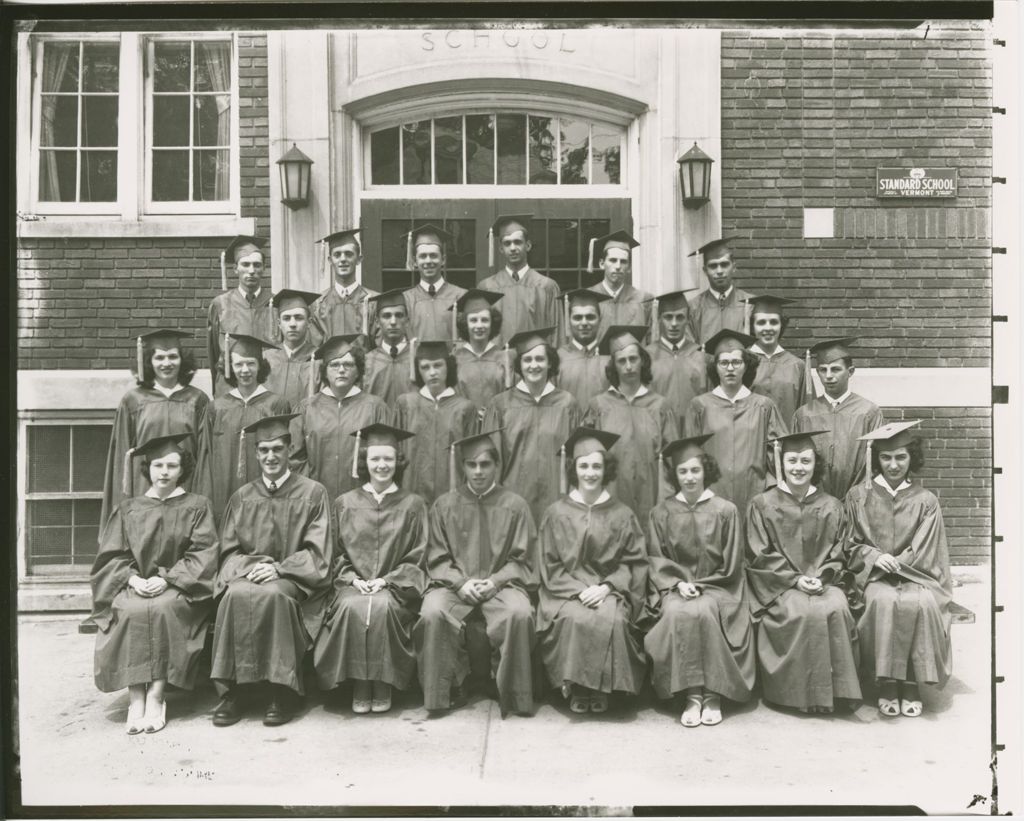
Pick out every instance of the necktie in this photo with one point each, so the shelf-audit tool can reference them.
(250, 298)
(394, 351)
(721, 300)
(272, 487)
(431, 290)
(515, 276)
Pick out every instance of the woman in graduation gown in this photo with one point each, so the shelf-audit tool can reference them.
(152, 586)
(806, 637)
(781, 376)
(162, 402)
(897, 542)
(223, 458)
(378, 579)
(593, 571)
(436, 416)
(702, 644)
(481, 359)
(535, 418)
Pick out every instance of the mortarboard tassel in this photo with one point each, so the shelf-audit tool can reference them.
(355, 455)
(366, 315)
(565, 321)
(325, 263)
(312, 373)
(452, 479)
(563, 482)
(748, 310)
(490, 247)
(808, 377)
(777, 451)
(274, 321)
(223, 272)
(590, 255)
(508, 367)
(227, 355)
(126, 477)
(455, 323)
(139, 364)
(409, 262)
(867, 465)
(412, 359)
(655, 333)
(241, 466)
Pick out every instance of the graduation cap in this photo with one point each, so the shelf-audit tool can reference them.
(262, 430)
(153, 448)
(800, 440)
(525, 341)
(504, 225)
(680, 450)
(832, 349)
(727, 336)
(618, 337)
(251, 346)
(428, 234)
(768, 303)
(580, 297)
(337, 346)
(476, 299)
(890, 436)
(432, 348)
(600, 245)
(163, 338)
(666, 303)
(582, 442)
(239, 247)
(468, 448)
(288, 298)
(715, 248)
(376, 434)
(395, 298)
(345, 236)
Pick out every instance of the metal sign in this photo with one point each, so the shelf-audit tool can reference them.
(915, 182)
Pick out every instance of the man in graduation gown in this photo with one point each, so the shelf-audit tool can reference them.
(626, 305)
(844, 414)
(276, 546)
(292, 374)
(429, 301)
(345, 307)
(678, 366)
(529, 298)
(720, 306)
(322, 446)
(581, 368)
(780, 375)
(481, 557)
(389, 366)
(244, 309)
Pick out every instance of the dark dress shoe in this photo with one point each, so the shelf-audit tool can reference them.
(277, 712)
(227, 712)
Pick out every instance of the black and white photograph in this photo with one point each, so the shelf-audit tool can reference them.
(498, 410)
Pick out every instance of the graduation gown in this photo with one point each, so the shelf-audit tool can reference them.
(533, 431)
(630, 306)
(436, 425)
(581, 546)
(645, 424)
(479, 537)
(482, 377)
(679, 375)
(322, 441)
(143, 414)
(843, 454)
(708, 316)
(806, 644)
(219, 444)
(582, 372)
(331, 315)
(231, 313)
(289, 375)
(707, 641)
(388, 377)
(780, 378)
(530, 303)
(429, 316)
(369, 637)
(740, 442)
(904, 628)
(264, 630)
(142, 638)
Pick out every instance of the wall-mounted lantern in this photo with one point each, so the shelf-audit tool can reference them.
(295, 176)
(695, 177)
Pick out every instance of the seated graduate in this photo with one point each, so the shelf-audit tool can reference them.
(481, 557)
(274, 576)
(593, 571)
(484, 369)
(897, 544)
(702, 646)
(381, 530)
(806, 637)
(152, 585)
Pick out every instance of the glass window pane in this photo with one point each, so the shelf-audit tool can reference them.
(212, 120)
(86, 531)
(99, 176)
(563, 243)
(99, 121)
(213, 66)
(416, 153)
(384, 157)
(464, 279)
(588, 230)
(575, 141)
(44, 513)
(49, 545)
(539, 244)
(210, 175)
(397, 279)
(59, 120)
(566, 280)
(60, 67)
(607, 145)
(170, 120)
(393, 243)
(170, 176)
(57, 170)
(480, 149)
(100, 62)
(542, 151)
(448, 150)
(462, 249)
(90, 446)
(49, 456)
(171, 69)
(511, 136)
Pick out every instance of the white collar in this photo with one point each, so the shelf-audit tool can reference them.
(719, 297)
(885, 485)
(290, 352)
(587, 348)
(245, 295)
(576, 496)
(758, 349)
(278, 482)
(387, 346)
(168, 391)
(178, 491)
(673, 347)
(781, 485)
(344, 292)
(522, 271)
(379, 497)
(742, 393)
(438, 284)
(548, 388)
(610, 292)
(481, 495)
(836, 402)
(237, 394)
(355, 390)
(491, 343)
(425, 393)
(643, 391)
(707, 494)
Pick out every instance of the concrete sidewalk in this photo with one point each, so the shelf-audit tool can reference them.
(74, 749)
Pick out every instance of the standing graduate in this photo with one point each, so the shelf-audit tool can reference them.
(292, 363)
(275, 560)
(152, 586)
(244, 309)
(806, 637)
(678, 366)
(702, 644)
(322, 446)
(742, 421)
(162, 402)
(481, 557)
(529, 299)
(643, 420)
(897, 541)
(720, 306)
(381, 530)
(223, 457)
(430, 300)
(346, 306)
(534, 417)
(389, 370)
(436, 416)
(581, 367)
(482, 361)
(780, 375)
(844, 414)
(626, 305)
(593, 570)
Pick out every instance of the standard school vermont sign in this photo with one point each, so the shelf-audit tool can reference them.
(915, 182)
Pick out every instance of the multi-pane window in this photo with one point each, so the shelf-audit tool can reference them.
(560, 249)
(502, 149)
(64, 485)
(78, 114)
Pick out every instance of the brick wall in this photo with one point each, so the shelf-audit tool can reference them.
(253, 134)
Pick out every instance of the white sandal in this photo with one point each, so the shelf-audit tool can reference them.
(691, 714)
